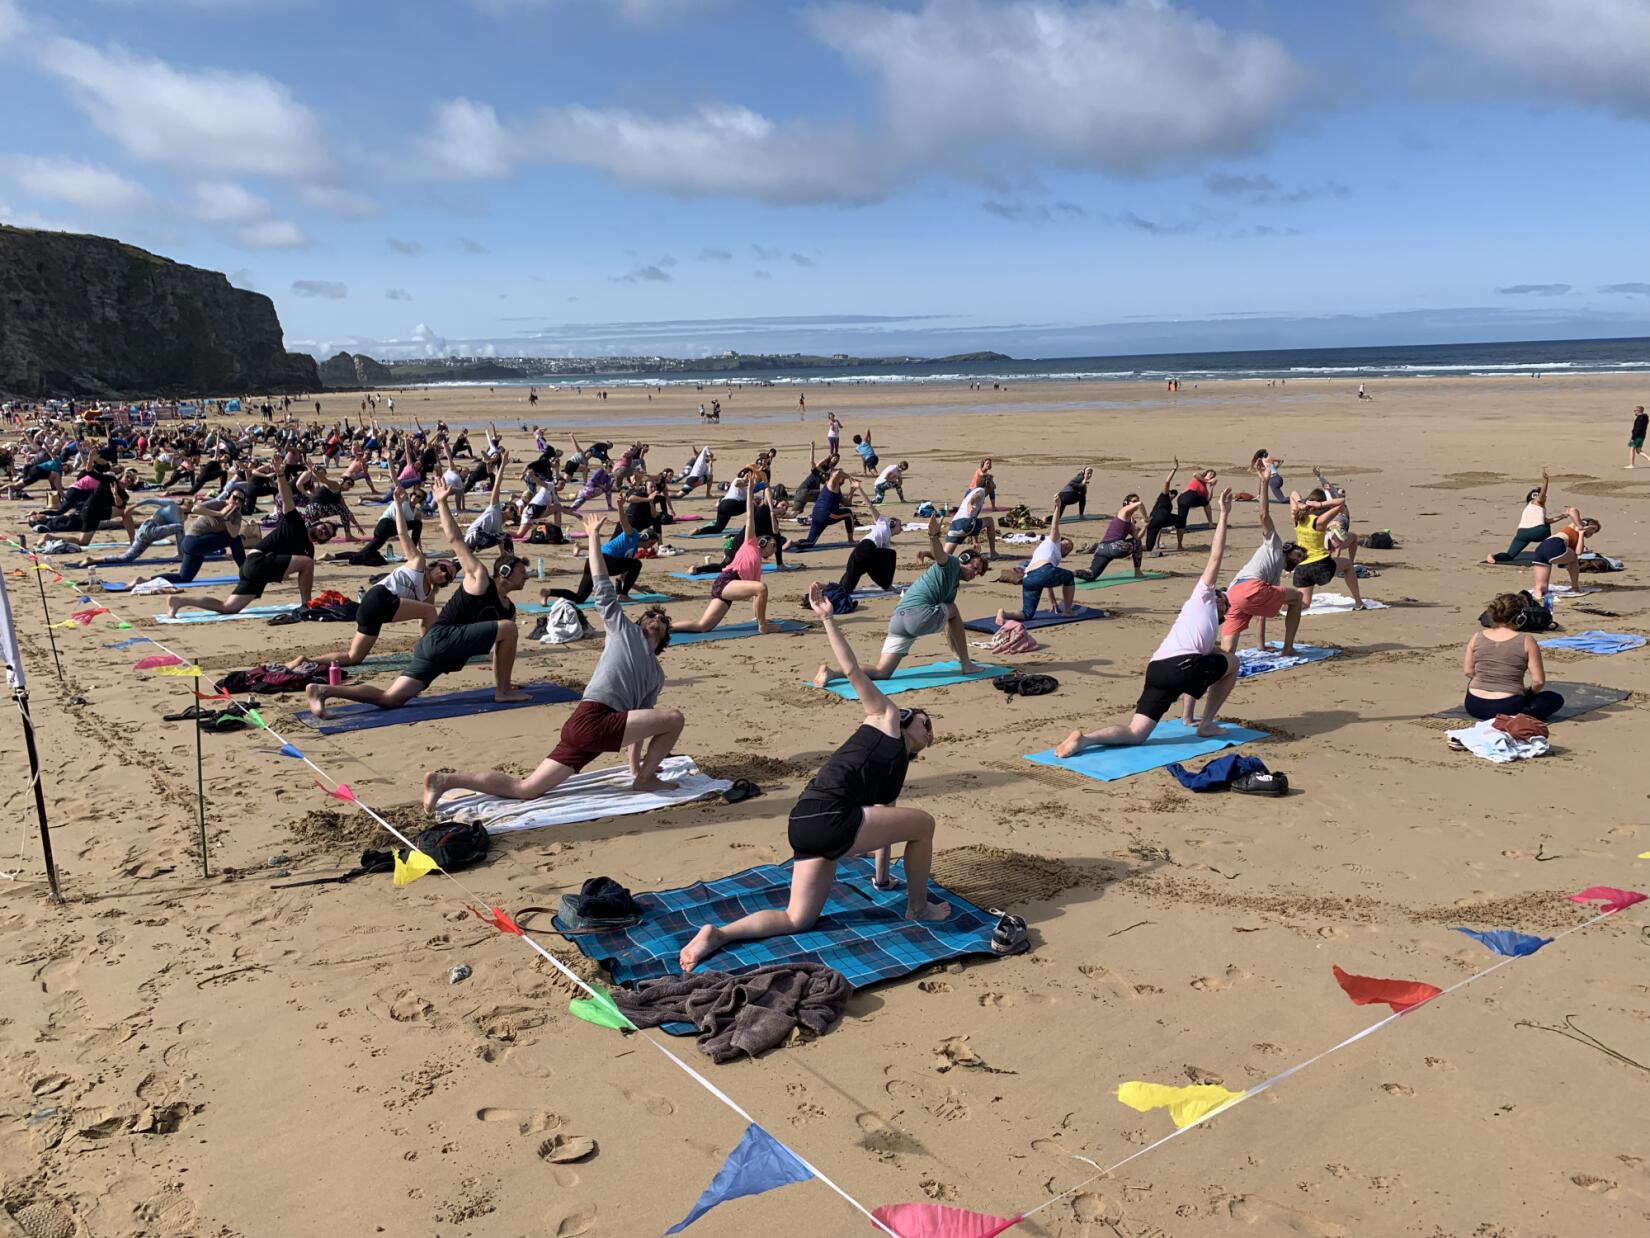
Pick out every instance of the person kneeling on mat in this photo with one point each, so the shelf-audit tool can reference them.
(847, 808)
(619, 709)
(284, 551)
(1044, 572)
(478, 618)
(1187, 664)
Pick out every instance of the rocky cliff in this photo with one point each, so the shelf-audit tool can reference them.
(347, 370)
(90, 316)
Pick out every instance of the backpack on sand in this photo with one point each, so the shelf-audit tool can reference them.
(457, 846)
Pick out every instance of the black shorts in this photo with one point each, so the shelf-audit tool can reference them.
(259, 572)
(378, 607)
(1168, 679)
(448, 647)
(823, 829)
(1311, 575)
(1552, 548)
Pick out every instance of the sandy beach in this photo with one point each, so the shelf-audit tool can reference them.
(183, 1055)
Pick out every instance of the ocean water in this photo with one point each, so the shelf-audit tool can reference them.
(1520, 359)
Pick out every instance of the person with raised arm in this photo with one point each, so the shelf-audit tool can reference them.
(1186, 665)
(284, 551)
(742, 579)
(619, 710)
(847, 808)
(478, 619)
(1045, 572)
(1257, 591)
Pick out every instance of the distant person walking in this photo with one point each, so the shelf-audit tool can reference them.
(1635, 437)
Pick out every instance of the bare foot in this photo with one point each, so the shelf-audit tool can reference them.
(1070, 746)
(1289, 651)
(969, 668)
(706, 942)
(1001, 618)
(317, 700)
(762, 629)
(822, 676)
(510, 696)
(1490, 558)
(1211, 730)
(1359, 606)
(434, 785)
(172, 608)
(653, 783)
(929, 911)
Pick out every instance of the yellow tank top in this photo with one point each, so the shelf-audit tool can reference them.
(1310, 538)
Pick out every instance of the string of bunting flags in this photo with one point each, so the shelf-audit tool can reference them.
(759, 1162)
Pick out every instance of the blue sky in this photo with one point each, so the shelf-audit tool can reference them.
(1045, 177)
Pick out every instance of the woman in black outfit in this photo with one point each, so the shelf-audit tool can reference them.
(1075, 493)
(1163, 515)
(847, 808)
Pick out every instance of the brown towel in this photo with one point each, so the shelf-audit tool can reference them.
(1520, 726)
(741, 1016)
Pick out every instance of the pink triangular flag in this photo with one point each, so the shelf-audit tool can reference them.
(340, 792)
(157, 659)
(1613, 899)
(939, 1221)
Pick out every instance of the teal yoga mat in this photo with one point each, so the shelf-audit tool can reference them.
(634, 599)
(121, 586)
(766, 568)
(733, 631)
(207, 616)
(915, 678)
(1126, 578)
(1170, 742)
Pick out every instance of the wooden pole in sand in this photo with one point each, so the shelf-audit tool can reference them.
(200, 781)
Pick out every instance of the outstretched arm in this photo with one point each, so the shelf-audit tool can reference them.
(1169, 480)
(1211, 571)
(1545, 482)
(880, 712)
(413, 555)
(1054, 524)
(593, 545)
(1264, 496)
(498, 476)
(940, 549)
(467, 559)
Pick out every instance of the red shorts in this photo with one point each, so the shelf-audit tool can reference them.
(589, 731)
(1251, 599)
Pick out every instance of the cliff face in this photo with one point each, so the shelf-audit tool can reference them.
(90, 316)
(347, 370)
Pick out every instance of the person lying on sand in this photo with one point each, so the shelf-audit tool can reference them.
(1186, 665)
(847, 808)
(284, 551)
(619, 709)
(478, 618)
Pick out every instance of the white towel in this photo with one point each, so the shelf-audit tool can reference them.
(155, 584)
(1485, 741)
(586, 796)
(1337, 604)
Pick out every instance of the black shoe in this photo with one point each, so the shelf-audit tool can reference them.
(1084, 575)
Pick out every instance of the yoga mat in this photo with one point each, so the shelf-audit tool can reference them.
(633, 599)
(1253, 661)
(802, 550)
(733, 631)
(1106, 582)
(587, 796)
(124, 586)
(1338, 604)
(206, 616)
(862, 932)
(1579, 698)
(1042, 619)
(766, 568)
(869, 594)
(913, 678)
(347, 716)
(1170, 742)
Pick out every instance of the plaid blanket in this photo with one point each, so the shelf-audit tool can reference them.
(862, 932)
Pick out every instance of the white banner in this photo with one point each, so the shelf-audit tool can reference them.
(8, 641)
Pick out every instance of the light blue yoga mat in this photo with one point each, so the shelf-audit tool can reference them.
(122, 586)
(1170, 742)
(1253, 661)
(915, 678)
(732, 631)
(766, 568)
(863, 595)
(207, 616)
(634, 599)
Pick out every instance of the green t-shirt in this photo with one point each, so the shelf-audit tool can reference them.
(935, 587)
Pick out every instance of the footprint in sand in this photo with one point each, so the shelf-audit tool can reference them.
(1107, 979)
(940, 1192)
(657, 1106)
(1092, 1208)
(1593, 1183)
(945, 1103)
(1227, 978)
(526, 1121)
(1253, 1210)
(565, 1149)
(1330, 930)
(580, 1221)
(996, 1001)
(1397, 1089)
(1198, 1075)
(933, 986)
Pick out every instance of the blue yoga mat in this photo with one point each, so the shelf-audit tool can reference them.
(915, 678)
(137, 562)
(1595, 641)
(121, 586)
(1170, 742)
(766, 568)
(733, 631)
(862, 932)
(802, 550)
(1042, 619)
(1253, 662)
(634, 599)
(359, 716)
(864, 595)
(207, 616)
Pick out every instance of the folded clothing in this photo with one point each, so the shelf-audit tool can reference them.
(1219, 774)
(1485, 740)
(1520, 726)
(744, 1015)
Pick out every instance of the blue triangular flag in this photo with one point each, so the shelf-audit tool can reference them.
(1505, 941)
(287, 750)
(760, 1163)
(127, 643)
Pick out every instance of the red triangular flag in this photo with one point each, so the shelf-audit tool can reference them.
(1401, 995)
(939, 1221)
(1613, 899)
(219, 695)
(498, 920)
(157, 659)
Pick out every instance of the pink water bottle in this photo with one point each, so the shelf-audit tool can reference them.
(335, 675)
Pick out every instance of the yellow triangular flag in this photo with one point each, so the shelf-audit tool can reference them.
(1185, 1105)
(413, 867)
(1644, 855)
(185, 671)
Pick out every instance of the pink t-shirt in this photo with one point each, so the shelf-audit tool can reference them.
(1195, 629)
(747, 561)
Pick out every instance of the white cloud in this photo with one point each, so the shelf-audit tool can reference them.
(27, 219)
(1589, 51)
(205, 118)
(319, 288)
(79, 184)
(1130, 86)
(345, 203)
(637, 12)
(272, 234)
(466, 142)
(225, 202)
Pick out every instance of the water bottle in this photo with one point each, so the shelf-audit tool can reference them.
(538, 567)
(335, 675)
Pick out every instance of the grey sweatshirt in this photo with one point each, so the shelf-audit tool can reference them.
(627, 676)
